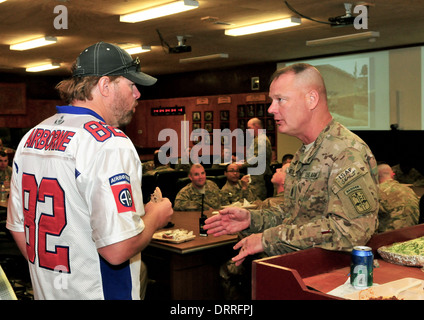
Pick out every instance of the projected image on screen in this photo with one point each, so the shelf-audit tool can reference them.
(357, 89)
(347, 90)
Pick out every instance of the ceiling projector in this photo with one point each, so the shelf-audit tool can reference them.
(181, 47)
(346, 20)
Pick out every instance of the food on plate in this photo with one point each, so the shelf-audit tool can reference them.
(384, 298)
(410, 247)
(409, 253)
(177, 234)
(244, 204)
(156, 196)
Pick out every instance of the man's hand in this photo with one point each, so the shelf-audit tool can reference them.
(249, 245)
(229, 220)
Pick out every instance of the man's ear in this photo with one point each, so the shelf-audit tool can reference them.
(104, 86)
(312, 99)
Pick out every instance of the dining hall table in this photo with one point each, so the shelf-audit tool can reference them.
(187, 270)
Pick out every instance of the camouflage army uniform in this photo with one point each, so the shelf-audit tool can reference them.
(398, 206)
(148, 165)
(233, 193)
(258, 181)
(413, 176)
(160, 168)
(274, 201)
(330, 197)
(6, 174)
(189, 198)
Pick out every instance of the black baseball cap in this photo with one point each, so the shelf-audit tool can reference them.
(106, 59)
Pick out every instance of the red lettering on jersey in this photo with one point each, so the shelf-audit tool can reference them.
(34, 137)
(28, 143)
(42, 141)
(57, 140)
(64, 140)
(100, 132)
(116, 132)
(123, 197)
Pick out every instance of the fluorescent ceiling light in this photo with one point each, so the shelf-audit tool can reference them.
(137, 49)
(264, 26)
(43, 67)
(44, 41)
(350, 37)
(159, 11)
(205, 58)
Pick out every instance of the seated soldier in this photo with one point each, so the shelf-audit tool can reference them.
(398, 203)
(236, 189)
(5, 169)
(277, 180)
(158, 166)
(190, 197)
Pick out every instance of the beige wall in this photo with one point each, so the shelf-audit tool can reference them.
(405, 88)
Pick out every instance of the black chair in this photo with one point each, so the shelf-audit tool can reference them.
(215, 171)
(148, 185)
(167, 182)
(421, 217)
(182, 182)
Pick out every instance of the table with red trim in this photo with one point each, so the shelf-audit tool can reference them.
(310, 274)
(188, 270)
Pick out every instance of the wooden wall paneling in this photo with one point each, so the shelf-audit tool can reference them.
(145, 128)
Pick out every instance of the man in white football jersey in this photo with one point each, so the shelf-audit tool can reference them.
(75, 208)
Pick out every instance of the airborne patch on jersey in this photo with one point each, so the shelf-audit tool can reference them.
(121, 189)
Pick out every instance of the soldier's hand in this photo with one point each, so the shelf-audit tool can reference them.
(249, 245)
(229, 220)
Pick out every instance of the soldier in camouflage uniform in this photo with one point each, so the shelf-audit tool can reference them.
(405, 173)
(158, 166)
(190, 197)
(5, 169)
(236, 189)
(398, 202)
(259, 180)
(331, 188)
(277, 180)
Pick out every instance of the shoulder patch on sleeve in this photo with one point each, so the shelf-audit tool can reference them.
(121, 188)
(359, 199)
(347, 175)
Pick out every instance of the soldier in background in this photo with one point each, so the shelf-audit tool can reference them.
(331, 188)
(277, 180)
(236, 189)
(406, 173)
(190, 197)
(398, 202)
(5, 169)
(157, 165)
(259, 182)
(287, 158)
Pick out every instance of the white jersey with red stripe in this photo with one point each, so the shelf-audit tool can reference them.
(76, 187)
